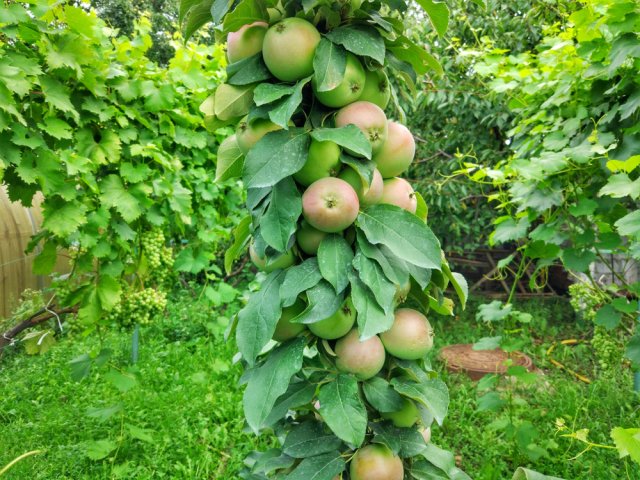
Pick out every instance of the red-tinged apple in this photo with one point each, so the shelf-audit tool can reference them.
(410, 337)
(397, 191)
(330, 205)
(364, 359)
(246, 42)
(397, 153)
(369, 118)
(376, 462)
(289, 48)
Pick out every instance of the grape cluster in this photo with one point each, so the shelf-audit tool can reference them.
(139, 307)
(159, 257)
(585, 301)
(608, 350)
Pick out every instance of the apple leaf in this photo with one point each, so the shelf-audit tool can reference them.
(241, 234)
(246, 12)
(438, 13)
(393, 268)
(230, 160)
(297, 395)
(381, 395)
(257, 320)
(232, 101)
(431, 393)
(373, 277)
(329, 65)
(359, 39)
(281, 112)
(299, 279)
(280, 220)
(323, 302)
(320, 467)
(277, 155)
(309, 439)
(405, 235)
(334, 259)
(248, 70)
(349, 137)
(269, 381)
(343, 410)
(371, 318)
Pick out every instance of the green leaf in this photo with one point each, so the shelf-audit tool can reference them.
(280, 220)
(122, 381)
(459, 284)
(230, 160)
(99, 449)
(402, 233)
(577, 259)
(57, 128)
(632, 351)
(490, 402)
(266, 93)
(444, 460)
(629, 224)
(494, 311)
(334, 259)
(44, 263)
(525, 474)
(269, 381)
(422, 211)
(281, 112)
(381, 395)
(321, 467)
(103, 414)
(37, 343)
(57, 95)
(417, 56)
(298, 279)
(80, 367)
(143, 434)
(241, 235)
(508, 229)
(106, 150)
(247, 71)
(329, 65)
(405, 442)
(488, 343)
(394, 269)
(431, 393)
(108, 290)
(628, 165)
(232, 101)
(308, 440)
(359, 39)
(115, 195)
(608, 317)
(219, 9)
(371, 318)
(199, 15)
(276, 156)
(620, 185)
(297, 395)
(63, 218)
(257, 320)
(323, 302)
(349, 137)
(246, 12)
(438, 13)
(372, 276)
(343, 410)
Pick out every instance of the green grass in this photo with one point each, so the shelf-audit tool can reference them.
(187, 401)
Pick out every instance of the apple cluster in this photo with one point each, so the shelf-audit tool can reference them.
(356, 168)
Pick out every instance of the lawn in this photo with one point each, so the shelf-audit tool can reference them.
(177, 412)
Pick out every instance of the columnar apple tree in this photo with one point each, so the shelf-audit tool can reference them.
(336, 340)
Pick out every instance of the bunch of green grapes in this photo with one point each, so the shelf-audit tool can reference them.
(608, 349)
(139, 307)
(584, 300)
(159, 257)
